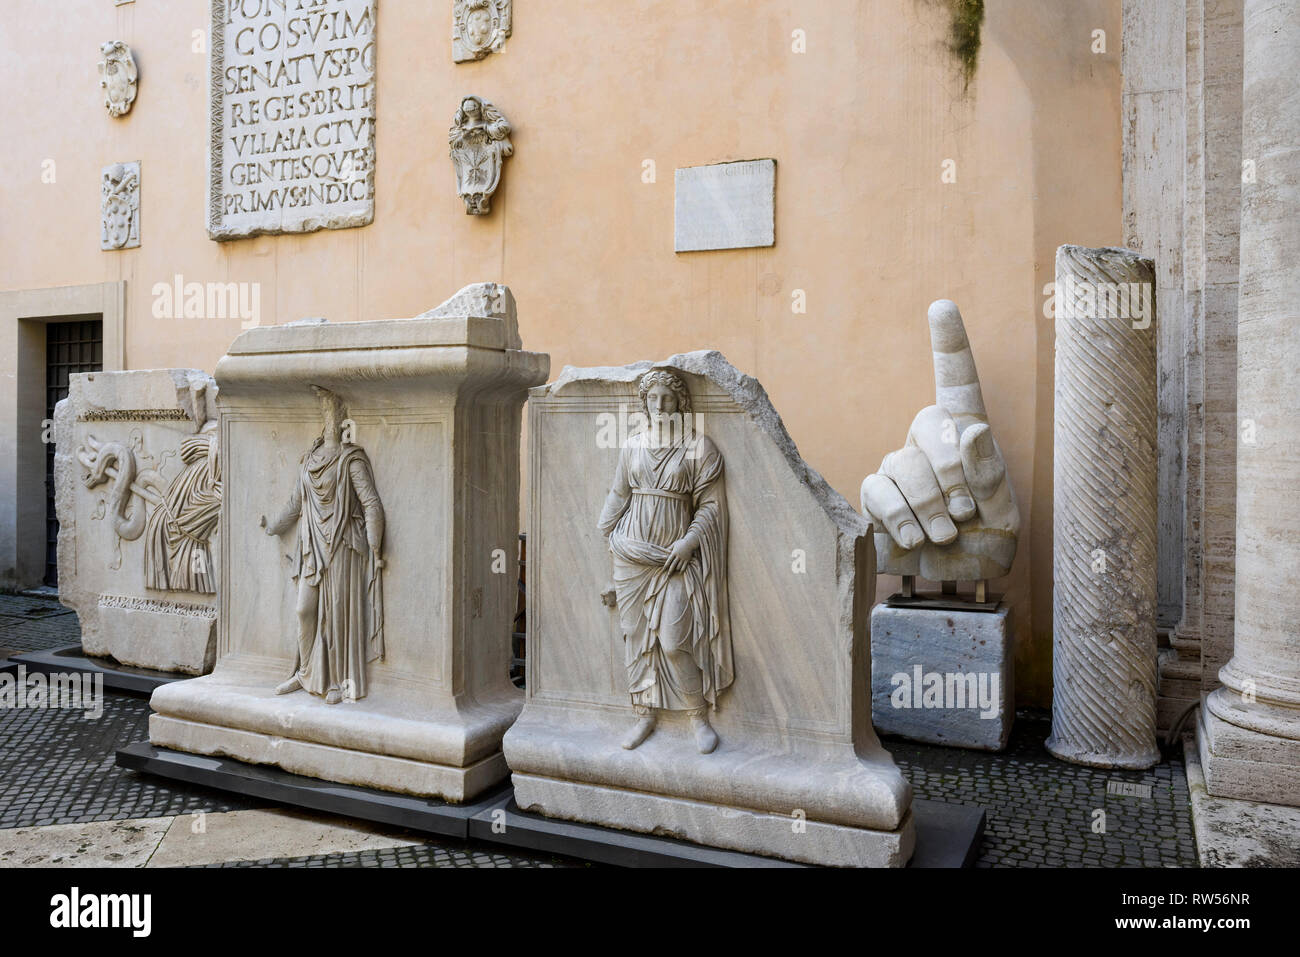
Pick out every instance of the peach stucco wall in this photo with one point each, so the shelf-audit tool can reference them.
(860, 125)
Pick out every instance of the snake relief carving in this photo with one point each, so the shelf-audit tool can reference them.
(113, 462)
(179, 516)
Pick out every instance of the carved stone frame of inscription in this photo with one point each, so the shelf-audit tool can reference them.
(117, 77)
(119, 209)
(291, 128)
(479, 141)
(479, 27)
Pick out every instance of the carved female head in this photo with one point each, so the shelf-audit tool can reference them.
(663, 393)
(476, 112)
(471, 108)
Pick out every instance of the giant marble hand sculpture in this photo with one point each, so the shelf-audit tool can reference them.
(942, 505)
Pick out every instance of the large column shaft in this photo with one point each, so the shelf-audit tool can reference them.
(1261, 692)
(1105, 504)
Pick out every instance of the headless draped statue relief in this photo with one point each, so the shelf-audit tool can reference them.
(182, 514)
(666, 522)
(336, 562)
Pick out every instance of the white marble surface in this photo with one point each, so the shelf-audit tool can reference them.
(794, 727)
(1104, 512)
(436, 404)
(725, 206)
(942, 505)
(292, 146)
(480, 28)
(102, 576)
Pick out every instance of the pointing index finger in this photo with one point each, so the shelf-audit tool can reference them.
(956, 381)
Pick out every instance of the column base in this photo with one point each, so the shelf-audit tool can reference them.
(1268, 713)
(1247, 765)
(1094, 759)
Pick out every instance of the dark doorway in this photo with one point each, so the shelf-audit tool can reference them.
(70, 347)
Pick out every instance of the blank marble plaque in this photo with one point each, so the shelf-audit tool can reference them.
(726, 206)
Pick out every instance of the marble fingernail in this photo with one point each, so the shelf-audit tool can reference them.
(961, 506)
(942, 530)
(909, 535)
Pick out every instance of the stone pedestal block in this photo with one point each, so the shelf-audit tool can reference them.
(137, 491)
(943, 677)
(369, 537)
(1248, 765)
(698, 625)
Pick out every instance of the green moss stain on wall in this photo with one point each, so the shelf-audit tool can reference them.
(964, 38)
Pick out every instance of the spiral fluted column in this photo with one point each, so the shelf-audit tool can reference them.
(1104, 559)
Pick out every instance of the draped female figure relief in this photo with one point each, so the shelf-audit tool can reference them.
(666, 522)
(336, 561)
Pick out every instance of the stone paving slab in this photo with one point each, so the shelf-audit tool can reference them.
(252, 835)
(1233, 833)
(196, 840)
(94, 844)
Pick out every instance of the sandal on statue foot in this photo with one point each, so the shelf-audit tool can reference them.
(290, 686)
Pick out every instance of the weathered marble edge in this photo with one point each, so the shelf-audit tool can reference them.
(414, 333)
(225, 234)
(1117, 253)
(747, 393)
(93, 392)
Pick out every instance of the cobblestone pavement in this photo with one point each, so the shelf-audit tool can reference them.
(431, 855)
(1041, 812)
(57, 767)
(30, 623)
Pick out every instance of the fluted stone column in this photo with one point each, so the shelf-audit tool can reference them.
(1251, 732)
(1105, 506)
(1223, 173)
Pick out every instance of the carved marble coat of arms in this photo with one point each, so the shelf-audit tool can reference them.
(117, 76)
(479, 27)
(120, 206)
(480, 143)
